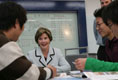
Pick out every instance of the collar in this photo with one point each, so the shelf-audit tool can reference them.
(114, 39)
(38, 53)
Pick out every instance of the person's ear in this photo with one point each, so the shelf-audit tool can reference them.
(16, 23)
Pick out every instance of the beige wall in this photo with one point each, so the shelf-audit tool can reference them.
(91, 5)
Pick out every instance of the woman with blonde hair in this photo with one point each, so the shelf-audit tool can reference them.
(45, 55)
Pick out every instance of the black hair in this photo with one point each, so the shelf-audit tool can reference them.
(9, 13)
(98, 12)
(110, 13)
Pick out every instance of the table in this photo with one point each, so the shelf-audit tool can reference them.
(69, 78)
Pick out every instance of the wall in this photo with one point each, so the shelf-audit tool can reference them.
(91, 5)
(73, 6)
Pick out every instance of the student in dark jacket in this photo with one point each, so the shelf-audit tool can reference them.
(111, 44)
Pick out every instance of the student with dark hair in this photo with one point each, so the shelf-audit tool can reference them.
(13, 63)
(45, 55)
(111, 44)
(110, 18)
(99, 39)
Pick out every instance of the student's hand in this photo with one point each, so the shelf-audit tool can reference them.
(80, 63)
(53, 69)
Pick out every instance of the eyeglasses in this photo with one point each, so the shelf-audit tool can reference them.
(110, 25)
(98, 25)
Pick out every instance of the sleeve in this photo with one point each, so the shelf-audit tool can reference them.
(35, 73)
(17, 67)
(64, 66)
(100, 66)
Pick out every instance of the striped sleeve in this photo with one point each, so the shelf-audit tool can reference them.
(34, 74)
(14, 65)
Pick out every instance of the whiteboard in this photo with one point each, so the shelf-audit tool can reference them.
(63, 26)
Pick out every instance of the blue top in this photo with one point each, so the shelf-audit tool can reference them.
(99, 40)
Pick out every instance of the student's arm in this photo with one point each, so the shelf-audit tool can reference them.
(97, 65)
(16, 66)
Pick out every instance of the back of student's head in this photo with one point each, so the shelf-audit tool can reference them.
(98, 12)
(110, 13)
(9, 13)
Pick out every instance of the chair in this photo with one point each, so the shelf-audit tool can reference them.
(71, 58)
(92, 55)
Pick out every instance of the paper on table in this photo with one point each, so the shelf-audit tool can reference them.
(66, 78)
(75, 72)
(102, 75)
(63, 76)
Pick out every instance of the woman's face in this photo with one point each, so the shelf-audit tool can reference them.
(44, 41)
